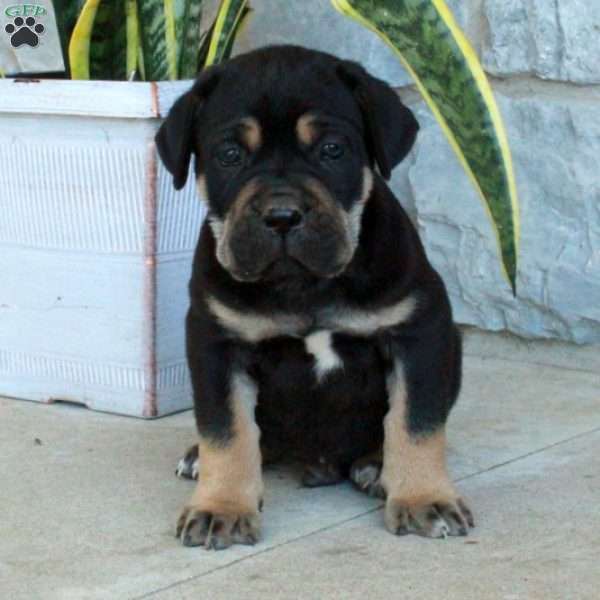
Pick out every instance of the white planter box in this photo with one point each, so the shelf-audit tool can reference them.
(95, 247)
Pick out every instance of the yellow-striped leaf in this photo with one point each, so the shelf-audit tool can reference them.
(170, 38)
(79, 46)
(133, 37)
(433, 49)
(229, 18)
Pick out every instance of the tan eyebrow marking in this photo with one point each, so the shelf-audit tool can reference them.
(307, 129)
(251, 133)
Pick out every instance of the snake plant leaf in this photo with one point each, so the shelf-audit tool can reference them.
(108, 46)
(66, 12)
(169, 38)
(237, 27)
(171, 47)
(433, 49)
(189, 36)
(79, 46)
(132, 37)
(230, 17)
(157, 59)
(205, 41)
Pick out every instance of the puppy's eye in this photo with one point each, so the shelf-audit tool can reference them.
(331, 151)
(229, 156)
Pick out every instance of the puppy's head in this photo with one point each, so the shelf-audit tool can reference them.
(285, 142)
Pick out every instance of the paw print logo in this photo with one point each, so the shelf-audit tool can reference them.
(24, 31)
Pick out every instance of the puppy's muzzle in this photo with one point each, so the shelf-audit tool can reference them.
(283, 211)
(283, 219)
(284, 228)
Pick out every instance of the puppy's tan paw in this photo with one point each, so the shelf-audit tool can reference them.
(217, 531)
(433, 518)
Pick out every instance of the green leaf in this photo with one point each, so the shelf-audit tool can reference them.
(66, 12)
(229, 18)
(171, 48)
(79, 45)
(205, 40)
(132, 38)
(153, 40)
(445, 67)
(235, 30)
(189, 37)
(108, 49)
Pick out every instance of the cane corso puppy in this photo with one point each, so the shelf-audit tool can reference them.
(317, 331)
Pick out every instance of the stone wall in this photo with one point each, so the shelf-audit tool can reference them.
(543, 58)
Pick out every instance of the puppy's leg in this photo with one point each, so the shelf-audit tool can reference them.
(420, 495)
(189, 464)
(224, 507)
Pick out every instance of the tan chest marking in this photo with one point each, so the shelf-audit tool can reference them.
(365, 322)
(253, 327)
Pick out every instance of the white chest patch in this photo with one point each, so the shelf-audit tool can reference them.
(326, 358)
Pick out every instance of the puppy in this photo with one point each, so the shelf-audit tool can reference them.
(317, 331)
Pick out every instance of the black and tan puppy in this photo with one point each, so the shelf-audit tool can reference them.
(317, 330)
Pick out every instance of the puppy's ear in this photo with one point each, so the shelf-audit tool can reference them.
(391, 128)
(175, 137)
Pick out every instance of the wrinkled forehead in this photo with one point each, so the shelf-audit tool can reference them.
(282, 103)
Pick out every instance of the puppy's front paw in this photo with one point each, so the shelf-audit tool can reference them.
(434, 518)
(216, 530)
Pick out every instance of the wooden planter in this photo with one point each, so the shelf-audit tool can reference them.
(95, 247)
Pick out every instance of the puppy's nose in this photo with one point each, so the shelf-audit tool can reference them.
(282, 219)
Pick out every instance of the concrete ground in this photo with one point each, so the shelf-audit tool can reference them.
(88, 504)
